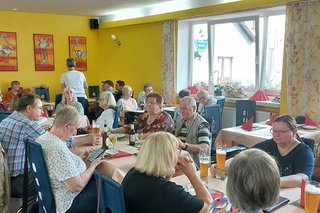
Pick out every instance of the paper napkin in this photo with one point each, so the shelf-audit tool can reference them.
(309, 121)
(272, 119)
(119, 155)
(248, 125)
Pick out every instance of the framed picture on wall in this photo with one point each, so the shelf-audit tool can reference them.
(43, 52)
(78, 51)
(8, 51)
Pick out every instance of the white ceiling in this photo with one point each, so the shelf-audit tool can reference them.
(109, 10)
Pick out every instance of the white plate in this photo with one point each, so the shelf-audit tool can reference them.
(309, 127)
(111, 151)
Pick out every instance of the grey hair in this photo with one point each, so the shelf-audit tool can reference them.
(190, 100)
(63, 99)
(147, 85)
(126, 87)
(67, 114)
(71, 62)
(253, 180)
(108, 100)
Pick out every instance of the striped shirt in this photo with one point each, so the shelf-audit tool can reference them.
(14, 131)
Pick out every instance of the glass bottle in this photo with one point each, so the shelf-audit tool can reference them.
(132, 135)
(105, 136)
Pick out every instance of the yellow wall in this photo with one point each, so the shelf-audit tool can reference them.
(137, 60)
(25, 24)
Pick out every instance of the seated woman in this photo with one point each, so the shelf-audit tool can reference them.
(253, 181)
(295, 159)
(153, 120)
(108, 104)
(3, 105)
(127, 102)
(73, 185)
(147, 186)
(69, 98)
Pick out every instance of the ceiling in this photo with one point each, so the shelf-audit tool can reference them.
(109, 10)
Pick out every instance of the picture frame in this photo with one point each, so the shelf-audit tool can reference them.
(78, 51)
(43, 52)
(8, 51)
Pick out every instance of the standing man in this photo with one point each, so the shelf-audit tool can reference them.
(107, 86)
(15, 130)
(76, 81)
(118, 93)
(192, 129)
(142, 97)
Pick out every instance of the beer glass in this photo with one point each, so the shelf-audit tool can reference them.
(221, 156)
(311, 196)
(95, 132)
(204, 158)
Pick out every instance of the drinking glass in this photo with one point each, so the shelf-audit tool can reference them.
(95, 132)
(139, 135)
(113, 139)
(204, 158)
(311, 196)
(221, 156)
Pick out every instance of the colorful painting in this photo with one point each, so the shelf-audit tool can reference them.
(8, 51)
(43, 52)
(78, 51)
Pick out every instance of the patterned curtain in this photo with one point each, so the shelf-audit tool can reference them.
(168, 66)
(302, 48)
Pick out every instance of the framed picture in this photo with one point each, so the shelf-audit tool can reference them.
(43, 52)
(8, 51)
(78, 51)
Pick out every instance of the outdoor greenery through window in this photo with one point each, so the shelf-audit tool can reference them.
(243, 50)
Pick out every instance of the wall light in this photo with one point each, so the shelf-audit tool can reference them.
(116, 40)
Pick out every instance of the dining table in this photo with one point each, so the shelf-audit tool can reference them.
(260, 132)
(212, 183)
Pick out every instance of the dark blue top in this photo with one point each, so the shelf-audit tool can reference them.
(298, 160)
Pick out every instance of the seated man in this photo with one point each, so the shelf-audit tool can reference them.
(205, 100)
(118, 93)
(107, 86)
(182, 93)
(142, 97)
(192, 129)
(14, 131)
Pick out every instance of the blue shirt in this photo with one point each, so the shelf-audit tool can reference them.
(14, 131)
(298, 160)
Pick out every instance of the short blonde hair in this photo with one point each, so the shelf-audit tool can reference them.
(158, 155)
(108, 100)
(67, 114)
(253, 180)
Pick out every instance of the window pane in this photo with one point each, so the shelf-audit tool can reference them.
(200, 68)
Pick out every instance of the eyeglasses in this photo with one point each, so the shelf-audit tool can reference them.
(151, 103)
(38, 107)
(279, 131)
(184, 108)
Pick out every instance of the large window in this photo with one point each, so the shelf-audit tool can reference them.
(244, 49)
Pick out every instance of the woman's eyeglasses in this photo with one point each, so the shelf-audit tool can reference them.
(273, 131)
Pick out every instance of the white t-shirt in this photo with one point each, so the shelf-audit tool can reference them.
(62, 164)
(75, 80)
(107, 116)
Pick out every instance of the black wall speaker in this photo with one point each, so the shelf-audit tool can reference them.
(94, 23)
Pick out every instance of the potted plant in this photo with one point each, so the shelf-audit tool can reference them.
(218, 90)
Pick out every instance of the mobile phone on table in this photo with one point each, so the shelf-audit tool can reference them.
(96, 154)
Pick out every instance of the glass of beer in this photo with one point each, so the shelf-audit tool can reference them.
(95, 132)
(221, 156)
(311, 196)
(204, 158)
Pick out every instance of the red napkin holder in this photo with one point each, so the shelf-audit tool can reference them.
(303, 184)
(309, 121)
(248, 125)
(272, 119)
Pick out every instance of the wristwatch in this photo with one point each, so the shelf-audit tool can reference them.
(186, 147)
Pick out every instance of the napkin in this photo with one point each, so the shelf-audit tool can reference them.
(248, 125)
(309, 121)
(119, 155)
(272, 119)
(260, 95)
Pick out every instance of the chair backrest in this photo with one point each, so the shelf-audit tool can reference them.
(300, 119)
(43, 93)
(57, 99)
(111, 196)
(245, 109)
(40, 172)
(4, 114)
(116, 117)
(93, 91)
(221, 103)
(213, 116)
(309, 142)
